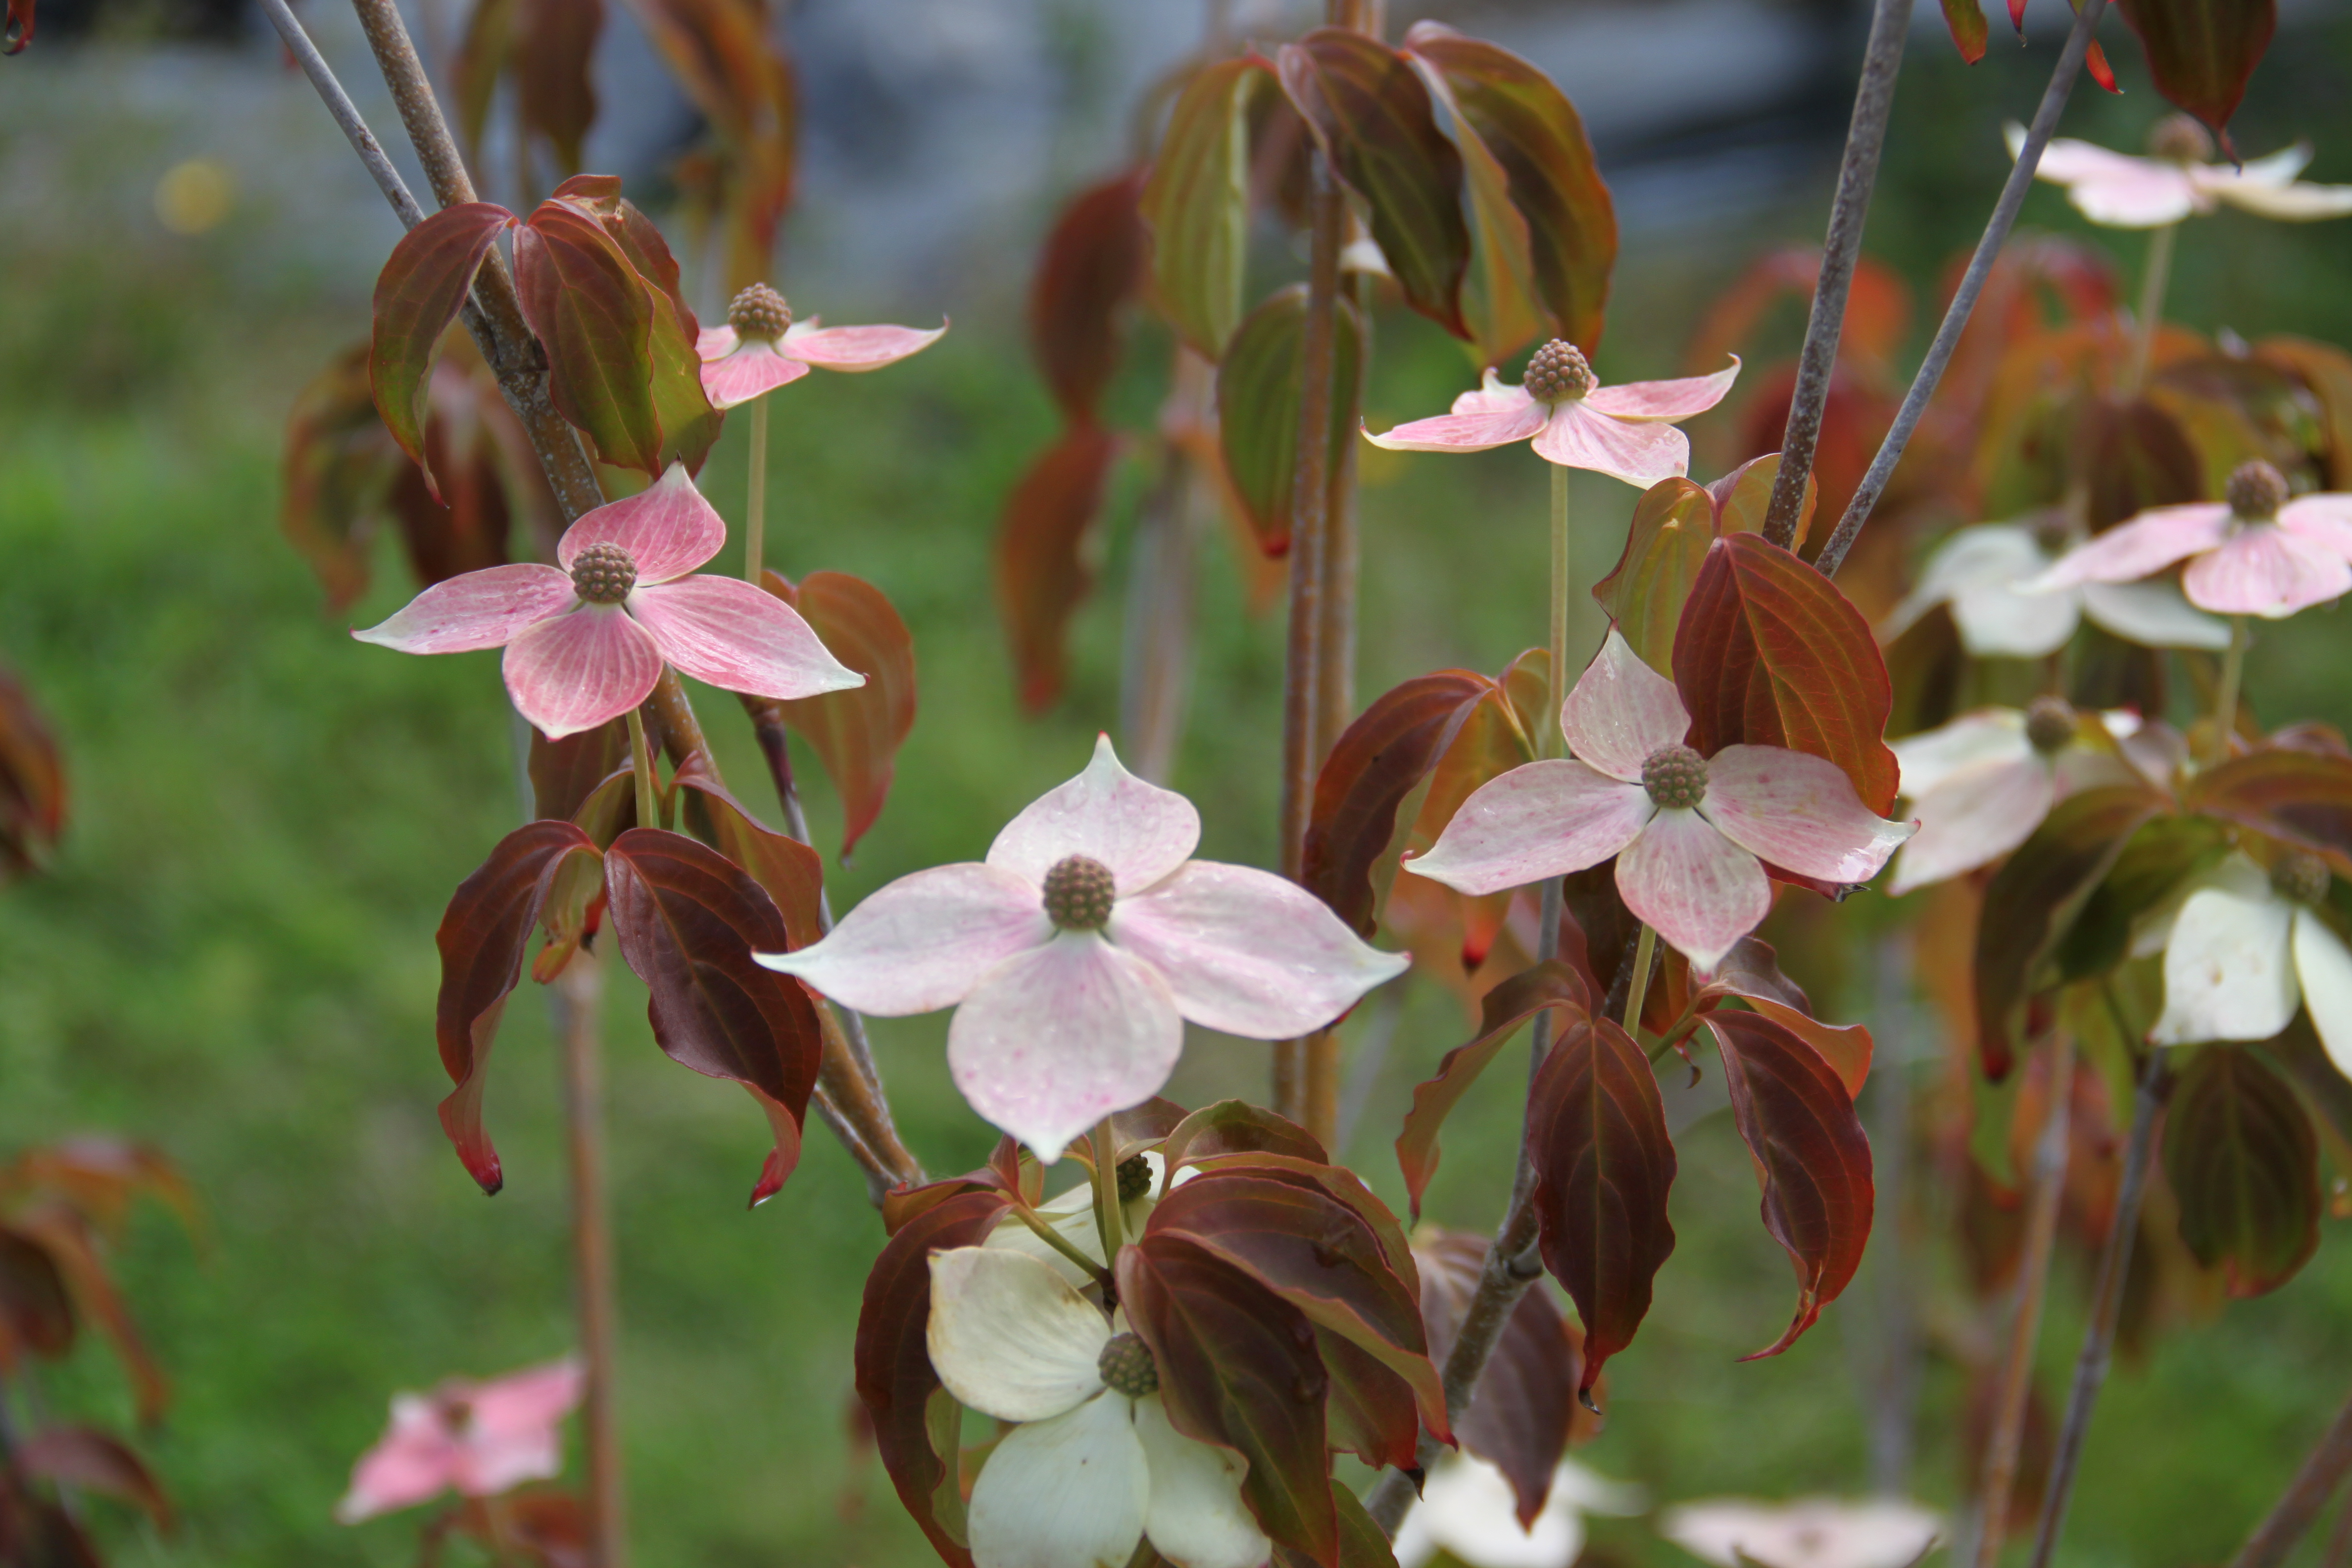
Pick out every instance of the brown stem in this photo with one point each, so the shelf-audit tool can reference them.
(2008, 1437)
(581, 990)
(1866, 136)
(1296, 1062)
(2323, 1470)
(2106, 1309)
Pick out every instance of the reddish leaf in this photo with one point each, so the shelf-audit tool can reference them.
(1877, 310)
(35, 1313)
(1371, 1410)
(1041, 569)
(90, 1461)
(1499, 290)
(99, 1178)
(1258, 385)
(1966, 19)
(67, 1237)
(1530, 128)
(1236, 1127)
(1549, 985)
(554, 80)
(857, 732)
(2303, 798)
(689, 424)
(2200, 52)
(19, 29)
(726, 56)
(1665, 545)
(1377, 762)
(564, 774)
(895, 1378)
(2135, 455)
(1769, 653)
(417, 295)
(2244, 1166)
(2034, 899)
(1010, 1170)
(32, 782)
(1092, 265)
(788, 871)
(1814, 1162)
(1371, 112)
(483, 938)
(1196, 203)
(1238, 1368)
(1317, 1254)
(1362, 1544)
(688, 920)
(1523, 1411)
(1846, 1050)
(1597, 1133)
(595, 317)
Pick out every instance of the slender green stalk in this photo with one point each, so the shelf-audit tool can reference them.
(1554, 739)
(2155, 279)
(1058, 1242)
(640, 763)
(755, 504)
(1644, 953)
(1108, 1217)
(2225, 701)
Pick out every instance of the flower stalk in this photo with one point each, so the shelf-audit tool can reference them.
(1645, 952)
(2155, 277)
(1108, 1217)
(2225, 700)
(640, 763)
(755, 503)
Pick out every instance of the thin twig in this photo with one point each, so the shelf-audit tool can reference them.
(2323, 1470)
(1882, 60)
(2107, 1310)
(345, 113)
(1964, 301)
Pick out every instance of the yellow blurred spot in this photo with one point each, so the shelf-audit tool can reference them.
(194, 196)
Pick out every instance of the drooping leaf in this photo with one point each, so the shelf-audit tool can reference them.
(1845, 1049)
(595, 317)
(99, 1177)
(1966, 19)
(2200, 52)
(1552, 983)
(1742, 498)
(2302, 797)
(564, 773)
(1371, 113)
(1040, 566)
(1530, 128)
(1377, 761)
(1238, 1368)
(1665, 544)
(1768, 653)
(1363, 1543)
(895, 1378)
(1603, 1162)
(857, 733)
(32, 782)
(790, 872)
(2134, 455)
(1196, 203)
(88, 1460)
(1236, 1127)
(1093, 261)
(1258, 386)
(688, 920)
(2244, 1167)
(1499, 305)
(1523, 1410)
(740, 178)
(1797, 1121)
(19, 31)
(554, 81)
(419, 292)
(36, 1312)
(483, 939)
(73, 1247)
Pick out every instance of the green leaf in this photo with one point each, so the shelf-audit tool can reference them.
(2156, 860)
(595, 317)
(856, 733)
(417, 295)
(1665, 545)
(2244, 1166)
(1966, 19)
(1196, 202)
(1258, 385)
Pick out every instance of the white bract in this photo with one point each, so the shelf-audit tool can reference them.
(1468, 1510)
(2246, 948)
(1983, 782)
(1816, 1532)
(1089, 1469)
(1978, 573)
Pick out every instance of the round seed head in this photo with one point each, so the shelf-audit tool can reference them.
(604, 574)
(2049, 723)
(2255, 490)
(1134, 1178)
(1078, 893)
(1127, 1367)
(1676, 778)
(759, 311)
(2303, 877)
(1557, 371)
(2179, 138)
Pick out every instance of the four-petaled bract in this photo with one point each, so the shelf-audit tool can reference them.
(739, 366)
(2255, 557)
(1093, 1465)
(1983, 782)
(1978, 573)
(1077, 951)
(586, 640)
(1626, 432)
(476, 1439)
(1815, 1532)
(1469, 1511)
(2245, 949)
(1692, 835)
(2124, 192)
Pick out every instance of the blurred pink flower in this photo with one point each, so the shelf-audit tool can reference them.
(1077, 951)
(2124, 192)
(480, 1438)
(585, 642)
(762, 348)
(2256, 553)
(1626, 432)
(1691, 834)
(1817, 1533)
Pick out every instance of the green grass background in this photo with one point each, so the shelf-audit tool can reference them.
(233, 955)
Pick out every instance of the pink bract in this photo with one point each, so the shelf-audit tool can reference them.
(477, 1438)
(1626, 432)
(1056, 1027)
(571, 665)
(2270, 568)
(1693, 874)
(736, 369)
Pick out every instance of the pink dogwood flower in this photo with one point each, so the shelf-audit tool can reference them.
(2180, 180)
(1691, 834)
(1077, 951)
(586, 640)
(2257, 552)
(479, 1438)
(1626, 432)
(762, 348)
(1815, 1532)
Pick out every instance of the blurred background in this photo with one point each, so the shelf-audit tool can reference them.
(232, 954)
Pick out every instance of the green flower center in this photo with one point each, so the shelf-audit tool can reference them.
(2306, 879)
(1134, 1178)
(604, 574)
(1127, 1367)
(1676, 778)
(2049, 724)
(1557, 372)
(759, 311)
(1078, 893)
